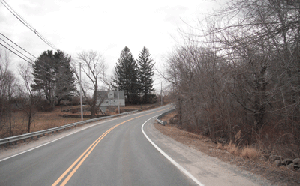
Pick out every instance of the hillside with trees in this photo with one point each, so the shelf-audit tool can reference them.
(241, 75)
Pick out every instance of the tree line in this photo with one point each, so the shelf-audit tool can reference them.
(135, 76)
(240, 73)
(53, 76)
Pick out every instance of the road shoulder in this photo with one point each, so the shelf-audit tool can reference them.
(208, 170)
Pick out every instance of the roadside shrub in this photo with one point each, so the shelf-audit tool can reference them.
(44, 106)
(250, 152)
(220, 146)
(231, 148)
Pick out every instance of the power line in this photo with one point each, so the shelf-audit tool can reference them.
(27, 24)
(15, 49)
(17, 45)
(16, 53)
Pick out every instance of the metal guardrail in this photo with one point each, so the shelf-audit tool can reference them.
(158, 119)
(13, 139)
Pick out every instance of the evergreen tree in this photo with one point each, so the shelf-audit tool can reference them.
(145, 63)
(53, 76)
(65, 81)
(127, 76)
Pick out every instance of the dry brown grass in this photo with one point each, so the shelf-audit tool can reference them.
(219, 146)
(41, 121)
(247, 152)
(232, 149)
(168, 117)
(46, 120)
(250, 152)
(278, 175)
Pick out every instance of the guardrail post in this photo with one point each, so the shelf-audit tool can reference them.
(12, 143)
(13, 139)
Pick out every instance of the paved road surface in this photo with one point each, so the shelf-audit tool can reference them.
(113, 152)
(120, 151)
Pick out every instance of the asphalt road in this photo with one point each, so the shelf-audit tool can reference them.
(113, 152)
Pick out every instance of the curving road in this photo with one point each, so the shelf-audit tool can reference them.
(111, 152)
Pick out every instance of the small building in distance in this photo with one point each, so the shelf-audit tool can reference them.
(110, 99)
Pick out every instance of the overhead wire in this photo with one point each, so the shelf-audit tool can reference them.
(7, 44)
(16, 49)
(16, 53)
(27, 24)
(17, 45)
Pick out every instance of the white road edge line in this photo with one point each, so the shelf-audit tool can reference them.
(53, 141)
(169, 158)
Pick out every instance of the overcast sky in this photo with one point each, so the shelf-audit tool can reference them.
(105, 26)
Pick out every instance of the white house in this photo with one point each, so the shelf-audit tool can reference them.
(110, 99)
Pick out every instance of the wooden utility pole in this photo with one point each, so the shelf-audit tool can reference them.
(80, 92)
(161, 96)
(118, 100)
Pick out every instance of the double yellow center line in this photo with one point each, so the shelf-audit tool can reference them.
(73, 168)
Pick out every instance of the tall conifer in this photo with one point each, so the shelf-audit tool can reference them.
(145, 64)
(53, 76)
(127, 76)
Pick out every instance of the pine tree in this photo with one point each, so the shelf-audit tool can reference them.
(145, 74)
(126, 72)
(43, 73)
(53, 76)
(65, 82)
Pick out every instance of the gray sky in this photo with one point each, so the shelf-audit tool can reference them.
(105, 26)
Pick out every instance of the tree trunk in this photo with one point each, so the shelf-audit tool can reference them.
(58, 102)
(179, 112)
(29, 121)
(93, 107)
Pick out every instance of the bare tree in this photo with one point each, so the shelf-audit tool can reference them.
(94, 67)
(264, 44)
(242, 74)
(28, 99)
(7, 81)
(196, 81)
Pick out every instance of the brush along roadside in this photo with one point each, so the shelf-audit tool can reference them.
(248, 158)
